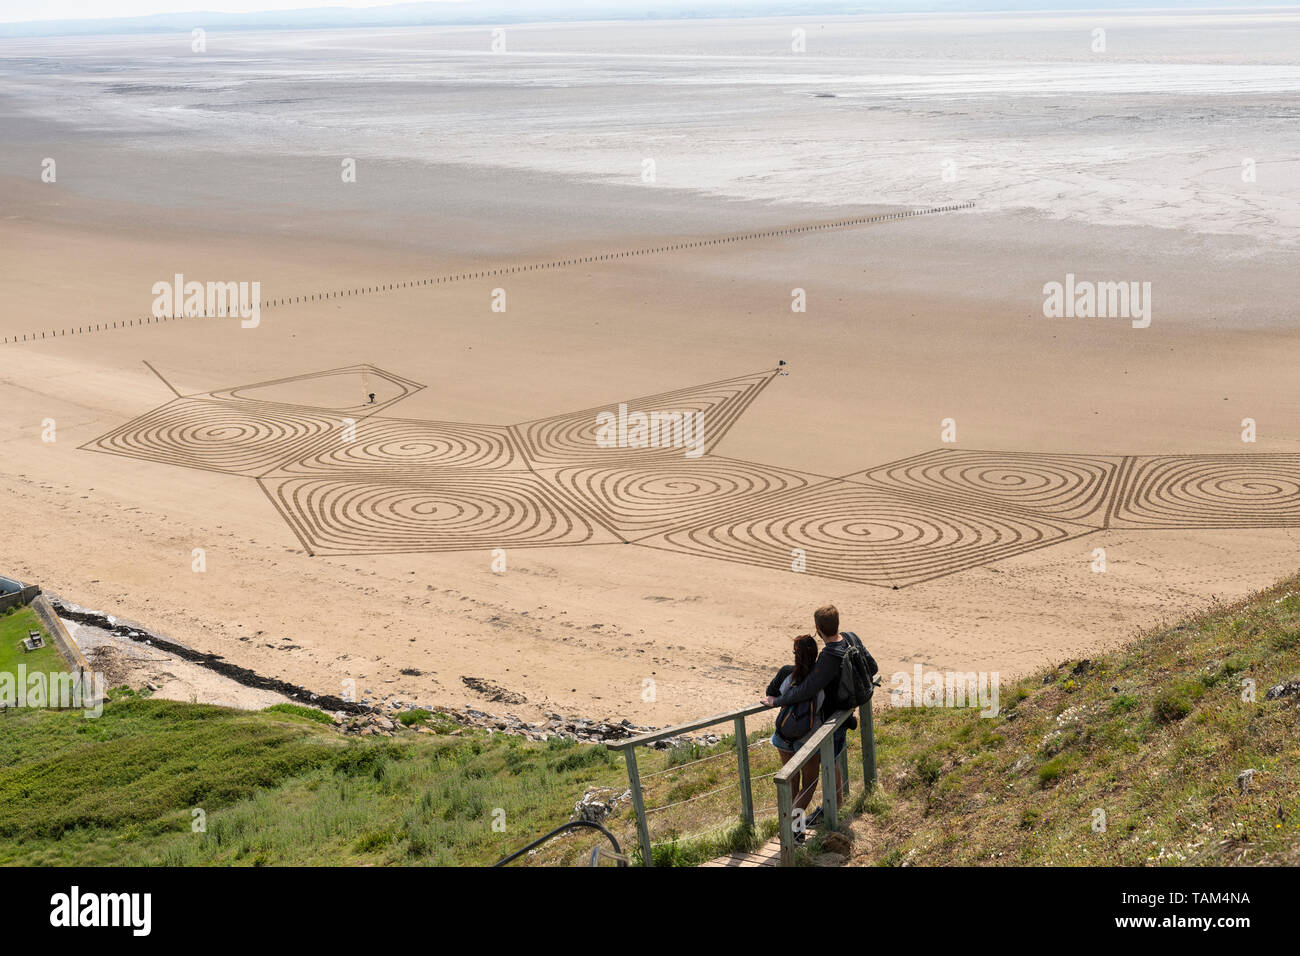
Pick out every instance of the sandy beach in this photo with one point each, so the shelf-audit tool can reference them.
(229, 169)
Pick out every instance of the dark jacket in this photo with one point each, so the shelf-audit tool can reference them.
(774, 687)
(825, 676)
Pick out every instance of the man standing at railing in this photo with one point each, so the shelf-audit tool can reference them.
(825, 677)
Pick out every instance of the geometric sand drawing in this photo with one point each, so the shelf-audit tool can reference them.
(571, 439)
(408, 447)
(350, 480)
(854, 532)
(638, 501)
(1073, 487)
(241, 438)
(322, 389)
(1210, 491)
(444, 512)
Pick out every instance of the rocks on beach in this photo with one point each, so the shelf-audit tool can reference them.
(579, 729)
(370, 717)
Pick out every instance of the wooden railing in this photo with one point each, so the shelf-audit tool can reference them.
(822, 742)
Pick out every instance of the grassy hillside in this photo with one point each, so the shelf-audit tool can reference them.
(277, 787)
(1153, 736)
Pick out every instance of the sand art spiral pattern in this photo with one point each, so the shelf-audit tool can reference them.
(408, 447)
(638, 501)
(451, 513)
(234, 437)
(1073, 487)
(1212, 491)
(350, 482)
(572, 439)
(851, 532)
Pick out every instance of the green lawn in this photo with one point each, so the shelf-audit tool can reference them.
(13, 630)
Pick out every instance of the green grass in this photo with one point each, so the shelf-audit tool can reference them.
(284, 787)
(1132, 761)
(733, 837)
(13, 630)
(306, 713)
(1149, 739)
(275, 787)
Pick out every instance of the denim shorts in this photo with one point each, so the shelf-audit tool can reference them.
(780, 743)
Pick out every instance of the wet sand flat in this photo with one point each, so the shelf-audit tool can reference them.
(908, 323)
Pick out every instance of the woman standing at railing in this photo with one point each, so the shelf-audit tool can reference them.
(796, 722)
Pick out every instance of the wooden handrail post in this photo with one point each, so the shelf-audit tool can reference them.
(830, 798)
(638, 805)
(629, 744)
(843, 763)
(742, 767)
(785, 814)
(868, 725)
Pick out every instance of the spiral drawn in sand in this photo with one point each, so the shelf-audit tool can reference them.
(1211, 491)
(573, 439)
(640, 500)
(407, 447)
(453, 512)
(402, 485)
(852, 532)
(234, 437)
(1073, 487)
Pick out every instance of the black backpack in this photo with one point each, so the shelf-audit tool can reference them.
(858, 670)
(797, 721)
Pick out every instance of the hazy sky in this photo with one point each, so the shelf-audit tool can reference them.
(15, 10)
(95, 9)
(20, 10)
(12, 11)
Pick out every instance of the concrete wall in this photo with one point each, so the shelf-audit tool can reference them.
(16, 598)
(64, 641)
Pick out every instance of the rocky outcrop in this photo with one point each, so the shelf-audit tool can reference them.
(598, 803)
(1289, 689)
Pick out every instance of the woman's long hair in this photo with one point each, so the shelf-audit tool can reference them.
(805, 656)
